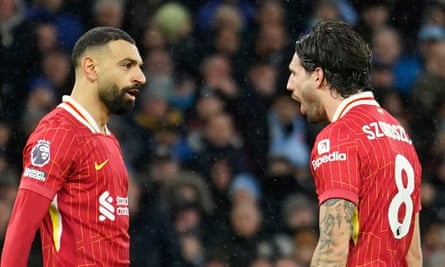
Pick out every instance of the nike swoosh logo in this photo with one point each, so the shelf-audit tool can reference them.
(99, 166)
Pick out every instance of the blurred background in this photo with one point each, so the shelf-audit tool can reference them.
(217, 151)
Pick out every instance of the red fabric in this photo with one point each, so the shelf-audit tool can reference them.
(86, 181)
(354, 158)
(29, 209)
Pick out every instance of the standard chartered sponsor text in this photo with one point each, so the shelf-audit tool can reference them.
(34, 174)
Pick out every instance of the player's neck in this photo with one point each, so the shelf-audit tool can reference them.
(331, 101)
(93, 106)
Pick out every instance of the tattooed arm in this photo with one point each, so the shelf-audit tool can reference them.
(335, 233)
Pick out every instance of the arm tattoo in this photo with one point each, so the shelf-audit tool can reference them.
(336, 226)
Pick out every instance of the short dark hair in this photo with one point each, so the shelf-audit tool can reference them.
(341, 52)
(97, 36)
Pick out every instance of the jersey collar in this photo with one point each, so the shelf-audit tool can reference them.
(363, 98)
(80, 113)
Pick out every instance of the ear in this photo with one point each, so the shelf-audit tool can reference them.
(89, 68)
(319, 77)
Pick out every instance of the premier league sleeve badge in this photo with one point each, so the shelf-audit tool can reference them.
(40, 153)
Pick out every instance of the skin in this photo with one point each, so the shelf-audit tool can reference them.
(310, 89)
(414, 256)
(335, 232)
(111, 71)
(319, 101)
(107, 76)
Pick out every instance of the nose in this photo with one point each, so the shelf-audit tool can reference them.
(139, 76)
(289, 83)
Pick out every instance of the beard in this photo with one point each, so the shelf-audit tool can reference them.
(116, 101)
(314, 112)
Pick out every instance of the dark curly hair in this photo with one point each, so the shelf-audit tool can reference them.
(341, 52)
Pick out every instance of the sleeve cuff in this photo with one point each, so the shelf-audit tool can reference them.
(338, 193)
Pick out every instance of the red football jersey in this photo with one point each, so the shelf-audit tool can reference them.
(69, 161)
(365, 156)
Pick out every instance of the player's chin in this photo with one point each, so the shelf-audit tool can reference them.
(124, 106)
(130, 102)
(295, 98)
(123, 109)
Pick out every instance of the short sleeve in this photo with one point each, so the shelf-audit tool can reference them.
(48, 158)
(335, 164)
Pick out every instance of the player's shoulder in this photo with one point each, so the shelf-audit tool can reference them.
(338, 129)
(56, 122)
(60, 117)
(345, 130)
(358, 117)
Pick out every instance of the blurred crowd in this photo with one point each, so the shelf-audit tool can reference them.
(217, 151)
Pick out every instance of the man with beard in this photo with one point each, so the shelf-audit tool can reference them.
(366, 170)
(74, 182)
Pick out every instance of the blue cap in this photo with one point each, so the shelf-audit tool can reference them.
(245, 181)
(432, 32)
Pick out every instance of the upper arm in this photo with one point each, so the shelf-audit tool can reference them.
(336, 225)
(414, 256)
(47, 158)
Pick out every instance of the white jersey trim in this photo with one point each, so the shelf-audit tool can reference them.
(348, 103)
(81, 114)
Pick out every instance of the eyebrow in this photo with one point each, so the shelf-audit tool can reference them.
(132, 61)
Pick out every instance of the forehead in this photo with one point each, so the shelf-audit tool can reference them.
(120, 49)
(295, 62)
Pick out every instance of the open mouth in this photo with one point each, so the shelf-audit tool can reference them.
(132, 93)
